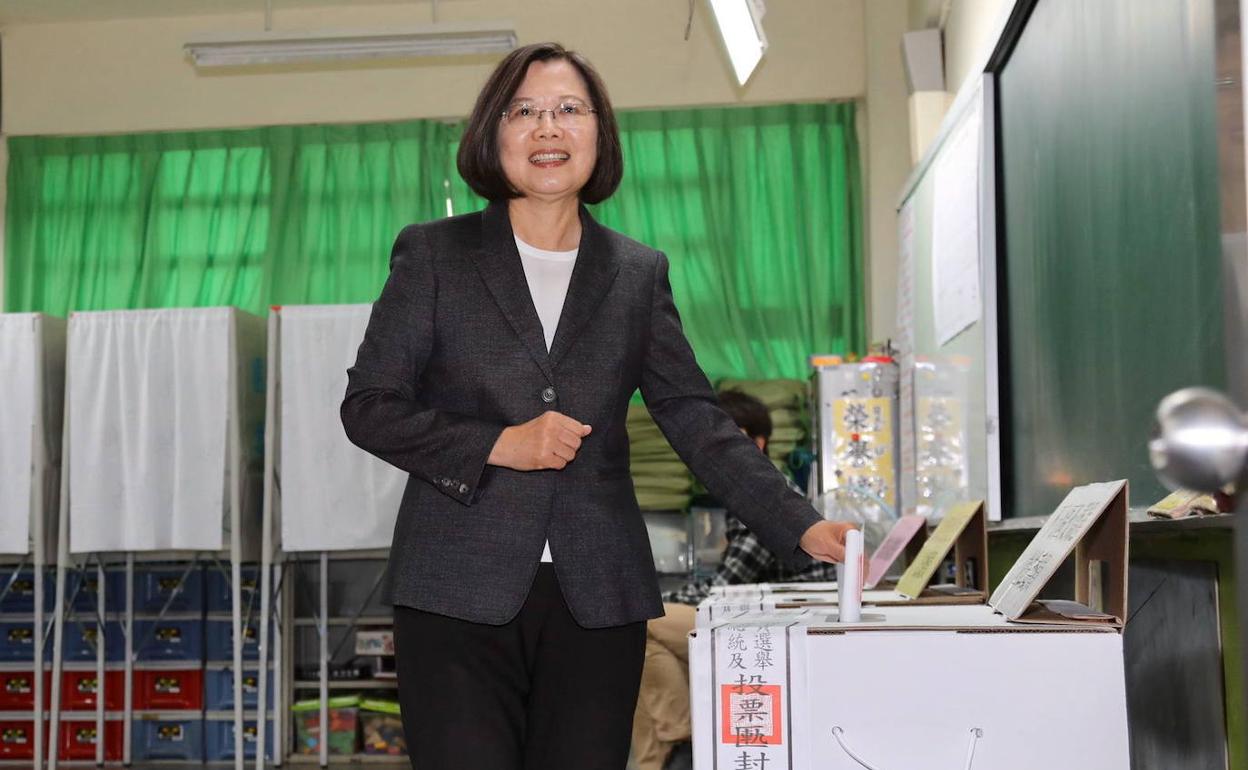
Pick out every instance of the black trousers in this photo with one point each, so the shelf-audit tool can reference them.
(538, 693)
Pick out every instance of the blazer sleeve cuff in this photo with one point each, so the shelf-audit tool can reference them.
(461, 480)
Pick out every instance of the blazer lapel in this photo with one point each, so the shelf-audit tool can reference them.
(595, 271)
(499, 264)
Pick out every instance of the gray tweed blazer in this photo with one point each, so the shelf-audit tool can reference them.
(454, 353)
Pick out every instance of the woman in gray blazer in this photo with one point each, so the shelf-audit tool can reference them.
(497, 370)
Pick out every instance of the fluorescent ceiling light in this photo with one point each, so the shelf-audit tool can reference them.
(437, 39)
(741, 27)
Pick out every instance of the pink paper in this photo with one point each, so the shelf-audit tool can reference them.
(898, 537)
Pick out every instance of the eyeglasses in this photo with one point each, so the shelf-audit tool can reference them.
(566, 113)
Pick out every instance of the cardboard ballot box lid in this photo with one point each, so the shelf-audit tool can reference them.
(1092, 522)
(956, 618)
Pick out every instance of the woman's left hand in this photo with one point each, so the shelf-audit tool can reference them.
(825, 541)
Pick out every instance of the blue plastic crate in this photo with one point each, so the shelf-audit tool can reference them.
(168, 737)
(219, 738)
(221, 640)
(82, 586)
(17, 642)
(172, 640)
(153, 587)
(219, 689)
(217, 588)
(80, 641)
(21, 594)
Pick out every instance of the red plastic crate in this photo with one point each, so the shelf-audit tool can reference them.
(17, 738)
(79, 688)
(78, 739)
(17, 691)
(180, 690)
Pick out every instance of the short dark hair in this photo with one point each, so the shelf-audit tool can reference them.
(747, 412)
(478, 161)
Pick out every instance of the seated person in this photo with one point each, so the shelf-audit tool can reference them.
(661, 721)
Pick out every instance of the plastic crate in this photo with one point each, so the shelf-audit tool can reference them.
(84, 589)
(219, 737)
(81, 638)
(80, 688)
(179, 690)
(17, 738)
(170, 640)
(344, 725)
(17, 690)
(156, 586)
(217, 588)
(168, 736)
(220, 640)
(17, 642)
(381, 729)
(78, 738)
(219, 689)
(21, 594)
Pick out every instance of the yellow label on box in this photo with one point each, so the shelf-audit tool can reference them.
(863, 448)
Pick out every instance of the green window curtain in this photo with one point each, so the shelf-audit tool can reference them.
(246, 218)
(759, 212)
(758, 209)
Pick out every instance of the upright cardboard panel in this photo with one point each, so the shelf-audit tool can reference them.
(949, 535)
(1092, 521)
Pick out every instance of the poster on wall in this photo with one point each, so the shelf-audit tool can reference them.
(955, 232)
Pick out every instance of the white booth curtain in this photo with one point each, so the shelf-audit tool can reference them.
(149, 409)
(20, 368)
(334, 495)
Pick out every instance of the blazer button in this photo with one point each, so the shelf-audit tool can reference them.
(548, 395)
(463, 489)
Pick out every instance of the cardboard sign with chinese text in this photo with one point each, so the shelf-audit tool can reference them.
(750, 691)
(1092, 521)
(963, 526)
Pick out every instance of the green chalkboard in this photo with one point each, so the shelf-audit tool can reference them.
(1111, 293)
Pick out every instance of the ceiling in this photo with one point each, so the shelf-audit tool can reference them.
(42, 11)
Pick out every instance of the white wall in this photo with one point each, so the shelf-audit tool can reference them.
(971, 30)
(887, 158)
(131, 75)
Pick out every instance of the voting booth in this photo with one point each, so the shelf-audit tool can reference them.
(1038, 683)
(322, 494)
(32, 384)
(163, 434)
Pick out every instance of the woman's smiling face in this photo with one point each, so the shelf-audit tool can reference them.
(547, 155)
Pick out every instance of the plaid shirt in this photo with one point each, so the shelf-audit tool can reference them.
(747, 561)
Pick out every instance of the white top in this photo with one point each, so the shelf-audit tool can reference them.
(548, 274)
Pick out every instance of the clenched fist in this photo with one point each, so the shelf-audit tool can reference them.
(543, 443)
(825, 541)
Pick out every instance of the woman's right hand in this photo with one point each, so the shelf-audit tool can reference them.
(548, 442)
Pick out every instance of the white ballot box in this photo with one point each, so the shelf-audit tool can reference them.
(913, 687)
